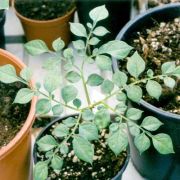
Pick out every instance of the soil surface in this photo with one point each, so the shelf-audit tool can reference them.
(158, 45)
(44, 9)
(154, 3)
(12, 116)
(105, 165)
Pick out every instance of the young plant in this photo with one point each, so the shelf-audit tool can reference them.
(82, 131)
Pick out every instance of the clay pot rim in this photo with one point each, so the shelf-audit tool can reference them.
(4, 151)
(42, 21)
(121, 34)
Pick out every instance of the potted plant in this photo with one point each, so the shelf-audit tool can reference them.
(119, 14)
(149, 34)
(45, 20)
(16, 121)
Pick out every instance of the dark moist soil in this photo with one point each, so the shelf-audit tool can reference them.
(42, 121)
(43, 9)
(12, 116)
(154, 3)
(158, 45)
(105, 165)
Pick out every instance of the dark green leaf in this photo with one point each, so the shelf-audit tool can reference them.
(95, 80)
(77, 103)
(107, 86)
(57, 109)
(88, 115)
(70, 122)
(43, 106)
(61, 130)
(73, 77)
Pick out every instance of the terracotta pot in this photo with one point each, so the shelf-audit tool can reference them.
(15, 157)
(47, 30)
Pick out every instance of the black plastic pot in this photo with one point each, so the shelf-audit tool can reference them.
(151, 164)
(46, 130)
(119, 14)
(2, 21)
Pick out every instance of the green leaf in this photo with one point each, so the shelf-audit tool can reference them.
(150, 73)
(57, 110)
(95, 80)
(64, 149)
(51, 82)
(61, 130)
(168, 67)
(46, 143)
(99, 13)
(68, 53)
(134, 93)
(151, 123)
(100, 31)
(134, 114)
(163, 143)
(88, 115)
(113, 127)
(70, 122)
(52, 64)
(4, 4)
(41, 171)
(77, 103)
(120, 108)
(56, 162)
(89, 25)
(104, 62)
(117, 49)
(43, 106)
(23, 96)
(58, 44)
(88, 131)
(73, 77)
(135, 65)
(102, 118)
(8, 74)
(79, 44)
(142, 142)
(154, 89)
(121, 97)
(169, 82)
(94, 41)
(26, 74)
(69, 93)
(176, 72)
(78, 29)
(117, 141)
(134, 130)
(107, 86)
(119, 78)
(36, 47)
(83, 149)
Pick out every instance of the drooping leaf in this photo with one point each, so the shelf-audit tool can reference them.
(69, 93)
(117, 49)
(58, 44)
(102, 118)
(151, 123)
(8, 74)
(154, 89)
(83, 149)
(134, 114)
(117, 141)
(142, 142)
(135, 65)
(163, 143)
(36, 47)
(78, 29)
(99, 13)
(95, 80)
(43, 106)
(73, 77)
(88, 115)
(120, 78)
(104, 63)
(41, 171)
(24, 95)
(56, 162)
(61, 130)
(88, 131)
(107, 86)
(134, 93)
(46, 143)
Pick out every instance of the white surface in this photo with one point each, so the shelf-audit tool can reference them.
(13, 27)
